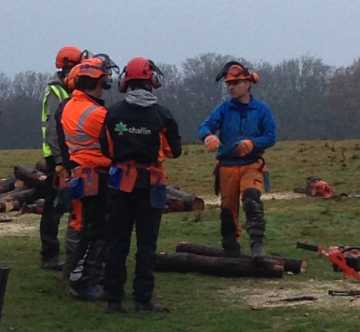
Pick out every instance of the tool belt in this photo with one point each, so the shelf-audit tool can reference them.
(84, 182)
(123, 177)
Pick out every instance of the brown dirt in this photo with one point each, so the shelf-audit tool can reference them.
(276, 294)
(286, 195)
(20, 225)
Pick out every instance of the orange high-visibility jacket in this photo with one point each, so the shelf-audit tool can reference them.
(82, 121)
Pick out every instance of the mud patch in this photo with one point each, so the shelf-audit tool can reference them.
(286, 195)
(23, 225)
(276, 294)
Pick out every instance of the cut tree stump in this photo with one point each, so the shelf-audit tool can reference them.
(181, 201)
(243, 266)
(7, 184)
(14, 200)
(30, 176)
(290, 265)
(37, 207)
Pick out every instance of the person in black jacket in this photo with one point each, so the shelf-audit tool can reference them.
(141, 134)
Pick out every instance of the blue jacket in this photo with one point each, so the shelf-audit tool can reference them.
(235, 122)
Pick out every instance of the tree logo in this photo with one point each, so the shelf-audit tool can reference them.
(121, 128)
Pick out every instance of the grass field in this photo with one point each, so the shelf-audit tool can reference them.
(36, 301)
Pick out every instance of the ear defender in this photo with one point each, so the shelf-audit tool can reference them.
(157, 75)
(122, 84)
(255, 77)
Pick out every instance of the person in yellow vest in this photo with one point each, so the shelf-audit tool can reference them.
(56, 92)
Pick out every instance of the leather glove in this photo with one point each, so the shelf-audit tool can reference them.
(244, 148)
(60, 170)
(212, 143)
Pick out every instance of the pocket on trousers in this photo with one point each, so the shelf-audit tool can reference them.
(158, 196)
(76, 188)
(114, 178)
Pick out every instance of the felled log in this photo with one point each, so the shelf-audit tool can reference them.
(7, 184)
(5, 218)
(30, 176)
(243, 266)
(180, 201)
(16, 191)
(13, 200)
(37, 207)
(290, 265)
(41, 166)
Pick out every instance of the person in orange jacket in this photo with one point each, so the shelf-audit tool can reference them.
(142, 133)
(245, 128)
(82, 123)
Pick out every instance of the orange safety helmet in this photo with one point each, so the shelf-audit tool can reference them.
(68, 57)
(234, 71)
(96, 67)
(140, 68)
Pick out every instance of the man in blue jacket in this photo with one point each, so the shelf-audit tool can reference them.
(245, 128)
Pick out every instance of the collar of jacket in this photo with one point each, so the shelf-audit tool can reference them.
(237, 105)
(57, 81)
(141, 97)
(81, 94)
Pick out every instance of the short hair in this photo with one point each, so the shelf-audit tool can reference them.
(140, 84)
(86, 83)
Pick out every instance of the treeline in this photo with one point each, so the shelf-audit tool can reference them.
(309, 98)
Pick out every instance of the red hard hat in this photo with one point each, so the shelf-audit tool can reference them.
(68, 57)
(138, 69)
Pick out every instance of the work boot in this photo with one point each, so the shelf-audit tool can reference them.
(115, 307)
(257, 249)
(91, 293)
(52, 264)
(231, 247)
(150, 306)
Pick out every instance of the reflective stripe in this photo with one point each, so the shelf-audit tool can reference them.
(75, 148)
(84, 116)
(80, 137)
(78, 141)
(61, 94)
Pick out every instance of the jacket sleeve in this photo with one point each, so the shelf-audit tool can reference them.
(51, 131)
(105, 139)
(268, 138)
(64, 151)
(171, 134)
(212, 123)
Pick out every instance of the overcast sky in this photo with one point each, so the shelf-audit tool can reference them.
(169, 31)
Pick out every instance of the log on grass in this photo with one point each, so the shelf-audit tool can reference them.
(30, 176)
(41, 166)
(14, 200)
(290, 265)
(37, 207)
(7, 184)
(243, 266)
(181, 201)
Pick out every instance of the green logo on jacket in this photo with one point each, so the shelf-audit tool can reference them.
(121, 128)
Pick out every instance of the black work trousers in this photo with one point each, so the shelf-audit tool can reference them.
(50, 218)
(85, 246)
(127, 210)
